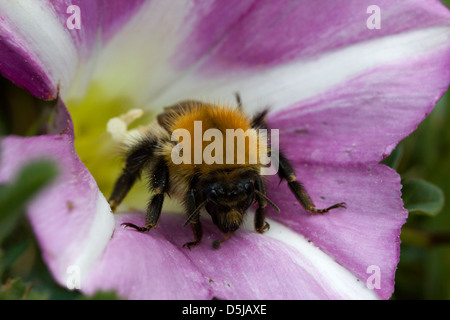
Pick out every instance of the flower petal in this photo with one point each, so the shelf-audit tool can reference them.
(27, 59)
(204, 51)
(364, 234)
(422, 53)
(139, 53)
(73, 225)
(154, 265)
(259, 34)
(100, 19)
(71, 218)
(87, 211)
(144, 266)
(38, 51)
(363, 119)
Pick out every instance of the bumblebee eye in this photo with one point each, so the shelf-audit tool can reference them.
(249, 187)
(211, 194)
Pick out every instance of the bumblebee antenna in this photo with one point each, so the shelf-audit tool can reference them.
(195, 213)
(268, 200)
(238, 100)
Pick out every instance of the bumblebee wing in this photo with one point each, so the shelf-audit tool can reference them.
(170, 114)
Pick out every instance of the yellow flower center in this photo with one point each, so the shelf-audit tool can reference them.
(95, 146)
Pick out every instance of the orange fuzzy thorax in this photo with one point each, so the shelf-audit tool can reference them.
(220, 118)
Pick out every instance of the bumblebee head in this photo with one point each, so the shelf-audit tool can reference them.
(227, 202)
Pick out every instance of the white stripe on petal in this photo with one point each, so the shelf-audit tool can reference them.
(95, 242)
(134, 63)
(45, 37)
(326, 271)
(286, 84)
(71, 219)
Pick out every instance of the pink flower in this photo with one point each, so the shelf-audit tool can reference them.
(343, 95)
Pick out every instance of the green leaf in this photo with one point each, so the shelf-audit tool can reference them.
(14, 196)
(101, 295)
(2, 267)
(14, 289)
(420, 196)
(394, 158)
(12, 254)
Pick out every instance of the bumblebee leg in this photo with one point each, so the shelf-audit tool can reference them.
(195, 222)
(135, 162)
(198, 233)
(260, 216)
(286, 172)
(160, 185)
(153, 213)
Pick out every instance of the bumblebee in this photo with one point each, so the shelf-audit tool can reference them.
(224, 189)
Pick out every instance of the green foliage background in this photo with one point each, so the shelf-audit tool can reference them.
(422, 160)
(423, 271)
